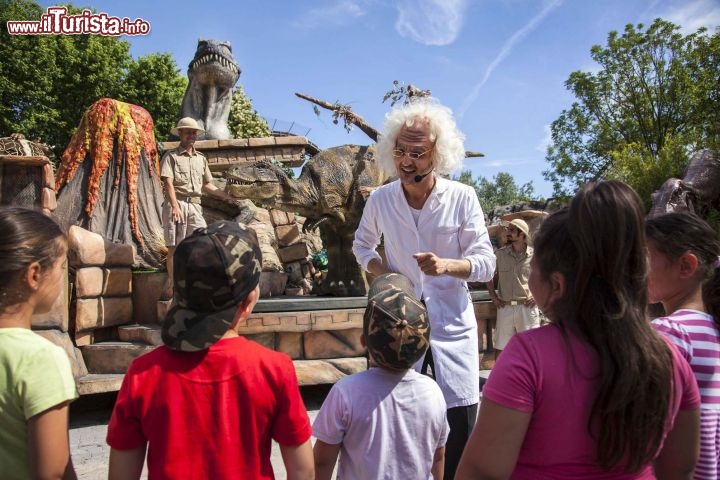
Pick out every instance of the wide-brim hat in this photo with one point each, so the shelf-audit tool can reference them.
(521, 225)
(186, 123)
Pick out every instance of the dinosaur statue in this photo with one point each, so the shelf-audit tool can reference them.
(212, 74)
(697, 191)
(109, 183)
(327, 193)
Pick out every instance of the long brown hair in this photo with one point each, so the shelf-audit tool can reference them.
(673, 234)
(598, 245)
(27, 236)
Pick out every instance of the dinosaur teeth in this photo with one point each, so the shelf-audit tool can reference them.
(235, 181)
(214, 57)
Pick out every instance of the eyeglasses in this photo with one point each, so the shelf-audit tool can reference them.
(399, 153)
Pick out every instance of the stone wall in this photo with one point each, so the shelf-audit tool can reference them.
(222, 153)
(103, 283)
(295, 250)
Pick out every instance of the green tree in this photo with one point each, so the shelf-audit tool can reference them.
(28, 65)
(655, 96)
(502, 190)
(704, 66)
(49, 80)
(244, 121)
(646, 172)
(155, 83)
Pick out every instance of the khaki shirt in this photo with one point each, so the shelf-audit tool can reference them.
(189, 171)
(513, 273)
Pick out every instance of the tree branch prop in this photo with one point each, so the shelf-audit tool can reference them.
(345, 113)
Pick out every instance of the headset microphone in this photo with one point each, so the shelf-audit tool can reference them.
(418, 178)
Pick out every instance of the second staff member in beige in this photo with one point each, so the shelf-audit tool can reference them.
(185, 175)
(516, 309)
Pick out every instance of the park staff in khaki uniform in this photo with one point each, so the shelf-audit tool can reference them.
(185, 175)
(516, 309)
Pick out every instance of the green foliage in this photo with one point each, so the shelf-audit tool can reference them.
(46, 84)
(154, 82)
(654, 99)
(704, 65)
(48, 81)
(288, 170)
(502, 190)
(244, 121)
(645, 172)
(21, 56)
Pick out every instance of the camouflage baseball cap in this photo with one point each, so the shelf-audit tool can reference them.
(215, 269)
(396, 327)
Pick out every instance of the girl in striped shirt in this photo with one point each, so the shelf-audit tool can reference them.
(685, 278)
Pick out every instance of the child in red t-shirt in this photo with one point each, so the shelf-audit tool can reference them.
(208, 403)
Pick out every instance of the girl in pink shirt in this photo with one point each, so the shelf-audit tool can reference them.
(597, 393)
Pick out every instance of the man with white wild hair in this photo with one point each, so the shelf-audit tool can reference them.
(434, 233)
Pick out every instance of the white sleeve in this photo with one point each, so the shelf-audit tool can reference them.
(331, 422)
(475, 241)
(367, 235)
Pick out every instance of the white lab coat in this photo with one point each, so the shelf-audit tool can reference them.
(451, 225)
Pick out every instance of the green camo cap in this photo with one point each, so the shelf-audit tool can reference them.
(215, 269)
(395, 325)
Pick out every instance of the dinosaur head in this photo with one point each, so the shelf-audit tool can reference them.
(214, 64)
(673, 196)
(258, 181)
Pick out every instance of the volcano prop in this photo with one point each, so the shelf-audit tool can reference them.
(109, 180)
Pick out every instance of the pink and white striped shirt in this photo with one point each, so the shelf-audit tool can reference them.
(698, 340)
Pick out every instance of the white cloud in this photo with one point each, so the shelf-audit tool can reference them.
(504, 52)
(546, 141)
(431, 22)
(693, 15)
(498, 163)
(338, 14)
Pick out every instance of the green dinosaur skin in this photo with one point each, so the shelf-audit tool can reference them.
(326, 193)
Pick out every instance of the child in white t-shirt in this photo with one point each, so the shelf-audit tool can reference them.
(389, 421)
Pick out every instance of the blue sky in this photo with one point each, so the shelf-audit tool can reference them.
(499, 64)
